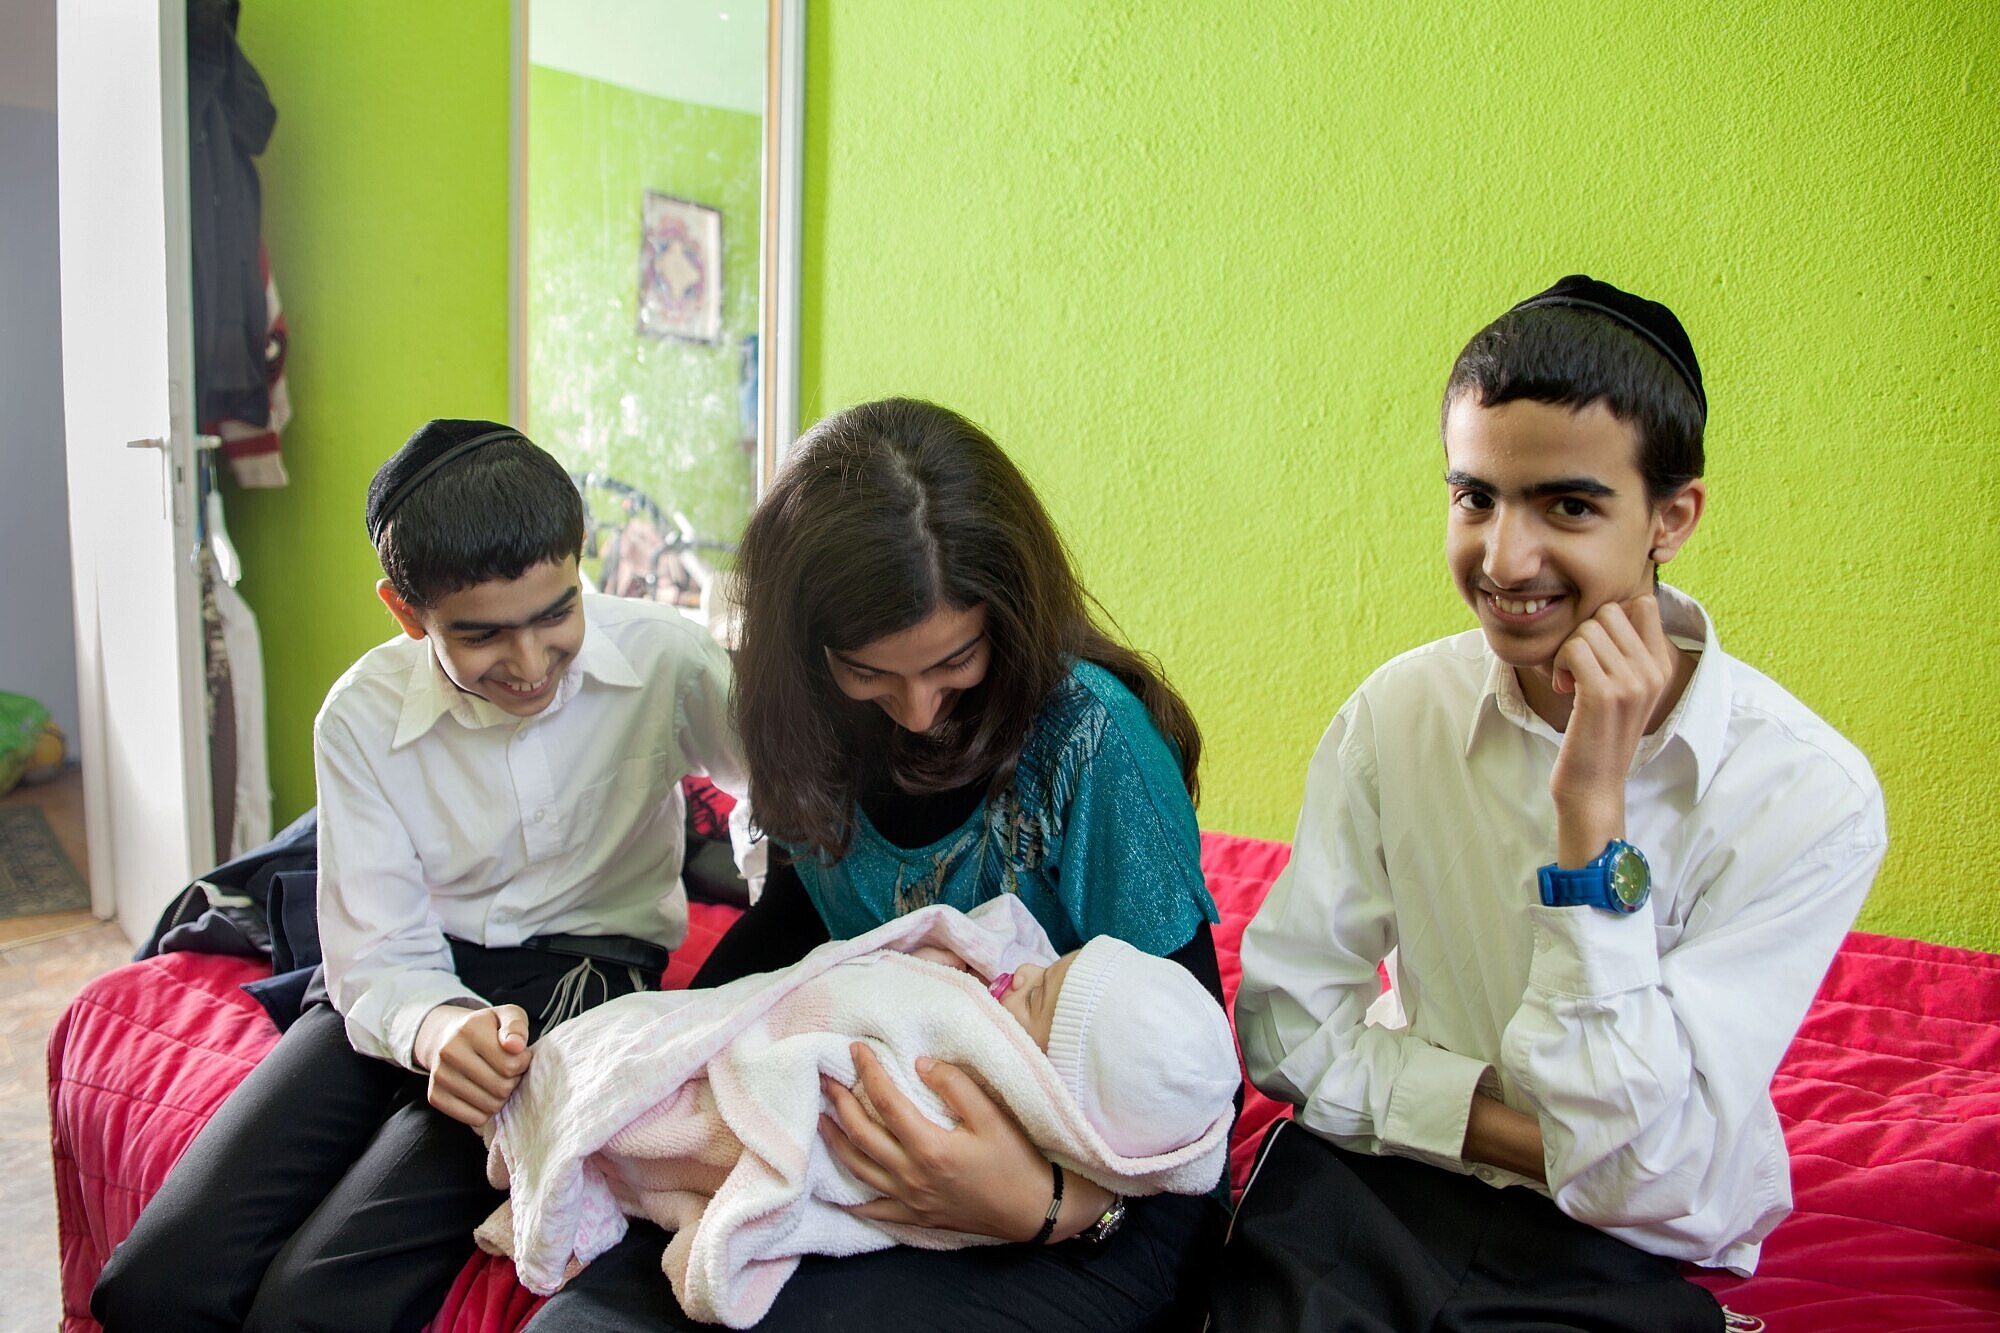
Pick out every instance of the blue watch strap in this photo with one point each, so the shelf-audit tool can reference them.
(1580, 887)
(1616, 880)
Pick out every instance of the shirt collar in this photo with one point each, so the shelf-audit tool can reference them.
(1700, 721)
(430, 694)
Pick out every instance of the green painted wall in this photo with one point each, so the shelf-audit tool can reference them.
(1204, 275)
(659, 413)
(385, 212)
(1203, 267)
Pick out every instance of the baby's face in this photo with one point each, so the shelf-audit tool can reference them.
(1029, 992)
(1030, 996)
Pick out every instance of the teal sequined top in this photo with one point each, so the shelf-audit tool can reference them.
(1095, 833)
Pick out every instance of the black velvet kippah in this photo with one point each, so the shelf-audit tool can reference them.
(435, 445)
(1649, 319)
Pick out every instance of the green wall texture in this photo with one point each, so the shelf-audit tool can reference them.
(385, 213)
(659, 413)
(1202, 268)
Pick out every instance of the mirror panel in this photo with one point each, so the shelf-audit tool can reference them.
(650, 235)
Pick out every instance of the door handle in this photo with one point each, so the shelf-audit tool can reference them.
(210, 442)
(169, 500)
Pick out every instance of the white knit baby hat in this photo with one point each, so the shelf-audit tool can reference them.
(1144, 1049)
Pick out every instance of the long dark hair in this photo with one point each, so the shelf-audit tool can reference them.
(882, 515)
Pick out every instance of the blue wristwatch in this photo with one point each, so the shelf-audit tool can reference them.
(1619, 880)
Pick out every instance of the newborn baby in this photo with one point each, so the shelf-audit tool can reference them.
(1146, 1052)
(700, 1109)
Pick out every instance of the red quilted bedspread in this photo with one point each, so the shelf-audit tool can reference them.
(1890, 1098)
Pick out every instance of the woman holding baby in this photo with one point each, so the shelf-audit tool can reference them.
(931, 715)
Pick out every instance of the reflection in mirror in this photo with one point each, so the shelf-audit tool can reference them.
(641, 138)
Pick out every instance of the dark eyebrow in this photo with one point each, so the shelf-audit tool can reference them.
(1555, 486)
(483, 626)
(845, 660)
(1572, 486)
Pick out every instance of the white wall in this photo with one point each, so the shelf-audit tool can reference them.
(37, 634)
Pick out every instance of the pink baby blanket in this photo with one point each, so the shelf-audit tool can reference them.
(700, 1110)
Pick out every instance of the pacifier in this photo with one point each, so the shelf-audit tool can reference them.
(1001, 984)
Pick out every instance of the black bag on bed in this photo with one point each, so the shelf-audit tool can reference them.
(262, 904)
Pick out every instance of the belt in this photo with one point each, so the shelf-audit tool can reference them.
(622, 950)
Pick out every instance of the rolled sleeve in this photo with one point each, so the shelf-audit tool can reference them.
(1588, 954)
(1431, 1101)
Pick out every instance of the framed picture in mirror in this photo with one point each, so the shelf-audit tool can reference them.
(680, 269)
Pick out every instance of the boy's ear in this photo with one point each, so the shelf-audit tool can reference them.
(406, 615)
(1674, 520)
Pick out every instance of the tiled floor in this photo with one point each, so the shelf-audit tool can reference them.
(36, 981)
(44, 960)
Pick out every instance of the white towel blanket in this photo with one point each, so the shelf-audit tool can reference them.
(700, 1110)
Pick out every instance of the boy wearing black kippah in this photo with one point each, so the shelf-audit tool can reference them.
(1606, 863)
(500, 827)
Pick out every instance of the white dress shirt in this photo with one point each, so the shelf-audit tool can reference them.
(440, 814)
(1644, 1045)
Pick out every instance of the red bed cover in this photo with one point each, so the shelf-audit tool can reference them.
(1890, 1098)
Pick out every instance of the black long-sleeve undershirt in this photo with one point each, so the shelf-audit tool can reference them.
(777, 930)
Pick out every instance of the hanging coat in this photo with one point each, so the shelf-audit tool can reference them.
(230, 118)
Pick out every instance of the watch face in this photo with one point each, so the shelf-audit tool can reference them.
(1103, 1229)
(1630, 878)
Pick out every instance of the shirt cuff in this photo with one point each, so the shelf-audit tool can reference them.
(1431, 1102)
(401, 1023)
(1590, 954)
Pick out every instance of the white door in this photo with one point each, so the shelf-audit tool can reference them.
(128, 400)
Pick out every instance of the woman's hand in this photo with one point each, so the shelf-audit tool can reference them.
(983, 1178)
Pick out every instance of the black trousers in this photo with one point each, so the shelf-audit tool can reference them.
(1150, 1275)
(325, 1193)
(1341, 1242)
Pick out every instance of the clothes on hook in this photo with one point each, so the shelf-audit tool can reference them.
(240, 338)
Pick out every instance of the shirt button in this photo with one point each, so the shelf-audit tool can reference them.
(1485, 1173)
(536, 818)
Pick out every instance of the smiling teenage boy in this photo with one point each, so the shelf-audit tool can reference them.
(1610, 861)
(499, 838)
